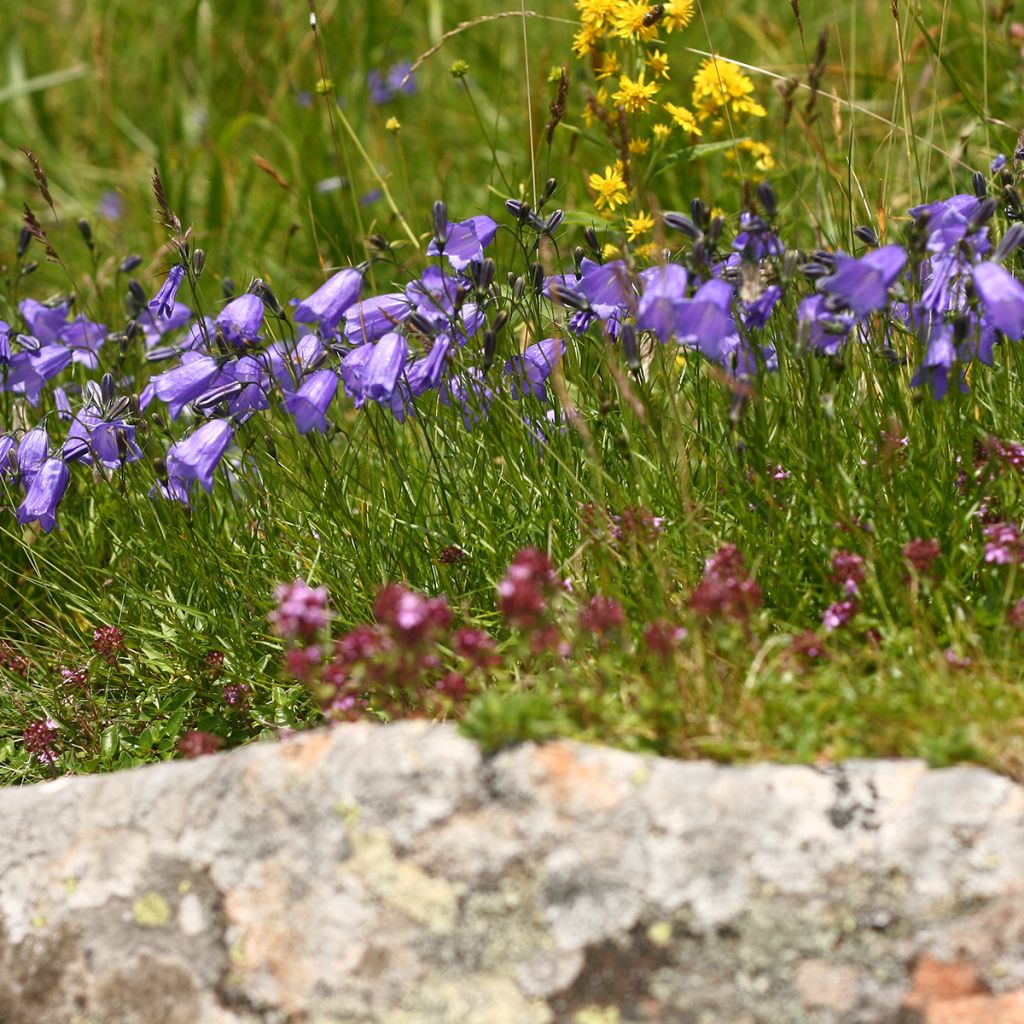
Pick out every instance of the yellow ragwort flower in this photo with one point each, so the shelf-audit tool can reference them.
(760, 152)
(610, 251)
(597, 14)
(657, 61)
(661, 131)
(392, 124)
(684, 118)
(631, 20)
(639, 147)
(648, 251)
(718, 85)
(609, 189)
(607, 66)
(585, 41)
(678, 14)
(635, 96)
(638, 225)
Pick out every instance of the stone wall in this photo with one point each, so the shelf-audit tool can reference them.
(393, 875)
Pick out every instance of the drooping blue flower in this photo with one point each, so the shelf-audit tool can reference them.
(110, 441)
(757, 313)
(186, 382)
(385, 366)
(862, 285)
(196, 456)
(465, 241)
(290, 364)
(825, 330)
(425, 374)
(353, 369)
(33, 451)
(528, 373)
(309, 404)
(240, 320)
(756, 240)
(1002, 295)
(705, 322)
(376, 316)
(328, 303)
(606, 286)
(44, 322)
(662, 301)
(44, 495)
(163, 303)
(155, 327)
(940, 356)
(8, 457)
(29, 371)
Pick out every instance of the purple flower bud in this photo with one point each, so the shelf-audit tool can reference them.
(163, 304)
(330, 301)
(197, 456)
(309, 404)
(44, 494)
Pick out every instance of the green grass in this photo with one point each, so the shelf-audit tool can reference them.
(209, 93)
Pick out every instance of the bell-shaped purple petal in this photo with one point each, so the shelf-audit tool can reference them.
(862, 285)
(29, 371)
(826, 331)
(376, 316)
(90, 436)
(353, 371)
(163, 303)
(663, 299)
(529, 372)
(434, 294)
(196, 456)
(44, 495)
(240, 320)
(328, 303)
(33, 451)
(186, 382)
(44, 322)
(309, 404)
(606, 286)
(385, 367)
(8, 457)
(425, 374)
(1002, 295)
(705, 322)
(465, 241)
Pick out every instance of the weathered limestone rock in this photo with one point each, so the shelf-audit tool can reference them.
(394, 875)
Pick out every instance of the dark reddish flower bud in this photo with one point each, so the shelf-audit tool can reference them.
(236, 695)
(477, 647)
(75, 678)
(662, 638)
(602, 615)
(549, 639)
(921, 554)
(847, 571)
(214, 661)
(451, 555)
(726, 563)
(358, 646)
(195, 743)
(39, 738)
(524, 591)
(108, 642)
(637, 523)
(808, 646)
(454, 685)
(302, 662)
(726, 589)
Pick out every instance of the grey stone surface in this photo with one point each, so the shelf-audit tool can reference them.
(394, 875)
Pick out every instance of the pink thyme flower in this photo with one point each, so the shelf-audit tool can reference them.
(108, 642)
(1003, 544)
(39, 738)
(847, 571)
(602, 615)
(301, 612)
(921, 554)
(839, 614)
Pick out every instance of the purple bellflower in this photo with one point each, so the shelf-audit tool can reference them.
(663, 299)
(376, 316)
(529, 372)
(163, 303)
(240, 320)
(465, 241)
(385, 366)
(111, 442)
(329, 302)
(33, 451)
(186, 382)
(44, 494)
(196, 456)
(1002, 295)
(309, 404)
(862, 285)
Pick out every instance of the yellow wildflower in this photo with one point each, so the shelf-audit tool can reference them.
(658, 63)
(678, 14)
(684, 118)
(607, 66)
(635, 96)
(610, 189)
(610, 251)
(585, 41)
(648, 251)
(638, 225)
(639, 147)
(392, 124)
(759, 151)
(718, 85)
(630, 18)
(597, 13)
(661, 131)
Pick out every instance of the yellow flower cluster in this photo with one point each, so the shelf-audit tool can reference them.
(718, 86)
